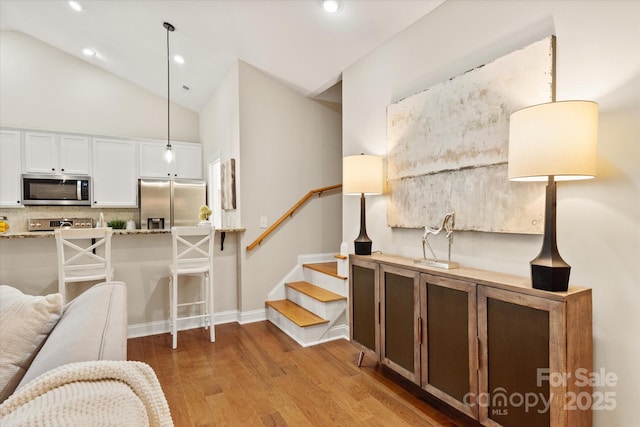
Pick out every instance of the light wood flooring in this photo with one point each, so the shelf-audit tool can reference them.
(255, 375)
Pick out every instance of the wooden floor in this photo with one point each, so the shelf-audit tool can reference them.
(255, 375)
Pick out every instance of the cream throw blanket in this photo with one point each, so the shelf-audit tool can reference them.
(95, 393)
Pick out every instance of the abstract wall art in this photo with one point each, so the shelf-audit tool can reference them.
(447, 147)
(228, 184)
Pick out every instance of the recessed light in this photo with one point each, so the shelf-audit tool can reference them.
(75, 6)
(179, 59)
(88, 52)
(331, 6)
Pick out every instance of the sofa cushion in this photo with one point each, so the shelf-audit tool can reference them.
(25, 323)
(93, 327)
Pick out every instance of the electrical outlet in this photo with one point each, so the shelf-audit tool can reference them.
(263, 222)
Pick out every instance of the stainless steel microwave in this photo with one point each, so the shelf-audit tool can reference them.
(56, 189)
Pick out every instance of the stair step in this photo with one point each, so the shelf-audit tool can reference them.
(315, 292)
(330, 268)
(295, 313)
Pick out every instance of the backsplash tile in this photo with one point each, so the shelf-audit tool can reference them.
(18, 218)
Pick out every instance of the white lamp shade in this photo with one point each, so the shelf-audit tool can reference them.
(362, 174)
(558, 138)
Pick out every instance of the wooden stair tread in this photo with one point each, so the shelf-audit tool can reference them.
(316, 292)
(296, 314)
(330, 268)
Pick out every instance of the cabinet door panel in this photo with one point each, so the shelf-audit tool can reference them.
(41, 153)
(152, 161)
(522, 341)
(115, 181)
(364, 306)
(449, 351)
(400, 321)
(10, 169)
(188, 162)
(448, 341)
(518, 345)
(74, 154)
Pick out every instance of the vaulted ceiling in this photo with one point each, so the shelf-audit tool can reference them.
(295, 41)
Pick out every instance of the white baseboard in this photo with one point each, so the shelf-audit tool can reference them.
(163, 326)
(252, 316)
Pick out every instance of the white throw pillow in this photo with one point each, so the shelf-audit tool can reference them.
(25, 322)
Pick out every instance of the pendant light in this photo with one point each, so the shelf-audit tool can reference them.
(168, 154)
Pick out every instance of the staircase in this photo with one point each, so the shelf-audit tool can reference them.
(310, 305)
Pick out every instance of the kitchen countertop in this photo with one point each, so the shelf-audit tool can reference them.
(40, 234)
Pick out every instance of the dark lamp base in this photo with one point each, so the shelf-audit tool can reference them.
(554, 279)
(362, 247)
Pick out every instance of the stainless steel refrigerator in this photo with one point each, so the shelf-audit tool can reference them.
(165, 203)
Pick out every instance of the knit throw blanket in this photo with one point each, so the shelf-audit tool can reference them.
(96, 393)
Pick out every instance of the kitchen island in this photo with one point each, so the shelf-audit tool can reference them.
(140, 258)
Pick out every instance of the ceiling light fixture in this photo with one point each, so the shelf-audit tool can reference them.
(179, 59)
(75, 6)
(331, 6)
(168, 154)
(89, 52)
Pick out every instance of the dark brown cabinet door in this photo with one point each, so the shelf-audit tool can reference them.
(364, 302)
(449, 347)
(522, 340)
(400, 321)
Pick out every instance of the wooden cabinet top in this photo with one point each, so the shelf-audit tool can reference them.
(505, 281)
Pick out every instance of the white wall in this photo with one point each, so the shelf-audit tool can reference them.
(598, 220)
(44, 88)
(220, 136)
(220, 120)
(289, 146)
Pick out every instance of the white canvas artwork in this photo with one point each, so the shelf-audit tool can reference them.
(447, 147)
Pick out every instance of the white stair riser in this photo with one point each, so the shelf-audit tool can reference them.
(304, 336)
(326, 281)
(329, 310)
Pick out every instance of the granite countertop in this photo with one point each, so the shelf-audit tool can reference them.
(40, 234)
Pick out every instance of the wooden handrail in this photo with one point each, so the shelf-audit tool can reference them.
(290, 212)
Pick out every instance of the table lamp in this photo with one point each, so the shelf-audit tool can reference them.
(555, 141)
(362, 175)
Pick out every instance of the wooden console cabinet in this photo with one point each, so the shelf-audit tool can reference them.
(485, 343)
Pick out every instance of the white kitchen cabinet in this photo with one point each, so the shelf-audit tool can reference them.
(187, 160)
(75, 155)
(152, 162)
(115, 173)
(56, 154)
(10, 169)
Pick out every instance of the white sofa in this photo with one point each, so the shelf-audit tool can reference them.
(83, 358)
(93, 326)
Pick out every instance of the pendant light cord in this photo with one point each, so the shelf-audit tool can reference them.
(168, 94)
(169, 28)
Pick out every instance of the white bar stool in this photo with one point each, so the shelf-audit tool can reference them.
(192, 255)
(78, 259)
